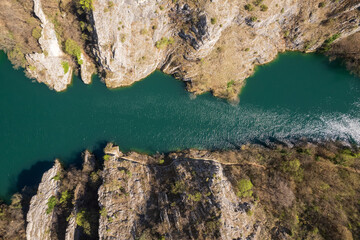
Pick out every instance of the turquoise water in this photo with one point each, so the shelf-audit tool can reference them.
(295, 96)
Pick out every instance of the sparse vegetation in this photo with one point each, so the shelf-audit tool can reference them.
(86, 5)
(244, 187)
(196, 197)
(72, 48)
(321, 4)
(178, 187)
(82, 220)
(327, 44)
(65, 66)
(213, 21)
(263, 8)
(230, 84)
(164, 42)
(36, 33)
(257, 2)
(106, 157)
(249, 7)
(253, 18)
(65, 197)
(51, 204)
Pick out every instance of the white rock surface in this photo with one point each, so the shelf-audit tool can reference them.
(38, 221)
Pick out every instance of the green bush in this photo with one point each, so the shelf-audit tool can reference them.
(249, 7)
(86, 4)
(253, 18)
(72, 48)
(65, 66)
(257, 2)
(57, 177)
(263, 8)
(103, 212)
(195, 197)
(213, 21)
(65, 197)
(244, 187)
(36, 33)
(163, 42)
(230, 84)
(51, 204)
(82, 220)
(178, 187)
(290, 166)
(321, 4)
(327, 43)
(106, 157)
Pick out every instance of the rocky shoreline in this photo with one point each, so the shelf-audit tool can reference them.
(306, 191)
(211, 45)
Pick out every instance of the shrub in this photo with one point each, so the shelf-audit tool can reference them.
(82, 220)
(290, 166)
(195, 197)
(257, 2)
(106, 157)
(65, 66)
(213, 20)
(253, 18)
(51, 204)
(65, 197)
(178, 187)
(263, 8)
(72, 48)
(244, 187)
(86, 4)
(57, 177)
(103, 212)
(230, 83)
(110, 4)
(249, 7)
(163, 42)
(36, 33)
(32, 68)
(321, 4)
(327, 43)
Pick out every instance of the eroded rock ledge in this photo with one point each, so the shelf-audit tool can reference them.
(307, 191)
(212, 45)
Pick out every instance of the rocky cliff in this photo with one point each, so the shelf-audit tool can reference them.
(212, 45)
(306, 191)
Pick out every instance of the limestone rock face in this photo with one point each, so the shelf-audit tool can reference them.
(171, 198)
(252, 193)
(216, 44)
(211, 45)
(126, 33)
(47, 67)
(39, 222)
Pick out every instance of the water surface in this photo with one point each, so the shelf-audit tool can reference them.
(297, 95)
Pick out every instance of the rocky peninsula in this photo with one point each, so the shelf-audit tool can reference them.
(304, 191)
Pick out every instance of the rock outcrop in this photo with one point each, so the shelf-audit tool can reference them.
(41, 215)
(52, 65)
(253, 193)
(211, 45)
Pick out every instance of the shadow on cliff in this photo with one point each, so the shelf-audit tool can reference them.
(27, 182)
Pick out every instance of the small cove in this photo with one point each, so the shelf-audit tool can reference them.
(295, 96)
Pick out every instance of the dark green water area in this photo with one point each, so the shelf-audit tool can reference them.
(295, 96)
